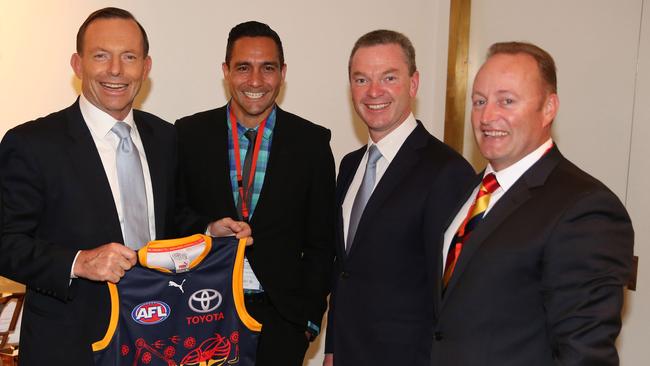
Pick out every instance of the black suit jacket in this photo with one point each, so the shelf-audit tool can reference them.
(540, 280)
(294, 218)
(57, 200)
(382, 302)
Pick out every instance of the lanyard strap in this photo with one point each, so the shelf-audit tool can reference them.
(244, 194)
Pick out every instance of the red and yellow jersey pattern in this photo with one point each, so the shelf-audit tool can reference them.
(182, 304)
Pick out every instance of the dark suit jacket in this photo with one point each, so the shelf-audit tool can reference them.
(382, 303)
(540, 280)
(294, 218)
(57, 200)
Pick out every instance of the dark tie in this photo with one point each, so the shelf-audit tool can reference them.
(250, 134)
(474, 216)
(363, 195)
(132, 191)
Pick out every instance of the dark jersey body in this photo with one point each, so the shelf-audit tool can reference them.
(181, 305)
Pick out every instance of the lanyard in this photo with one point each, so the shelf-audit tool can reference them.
(244, 194)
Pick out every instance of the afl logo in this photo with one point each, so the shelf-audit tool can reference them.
(205, 301)
(150, 312)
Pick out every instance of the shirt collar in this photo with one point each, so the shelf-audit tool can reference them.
(508, 176)
(391, 143)
(100, 122)
(268, 129)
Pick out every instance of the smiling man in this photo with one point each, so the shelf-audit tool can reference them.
(537, 257)
(82, 189)
(252, 160)
(394, 196)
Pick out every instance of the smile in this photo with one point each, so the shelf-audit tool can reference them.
(376, 107)
(114, 86)
(252, 95)
(495, 133)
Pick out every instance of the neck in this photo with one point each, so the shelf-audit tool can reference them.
(249, 121)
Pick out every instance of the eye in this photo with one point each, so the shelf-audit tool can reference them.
(360, 81)
(507, 101)
(478, 102)
(390, 78)
(100, 56)
(269, 68)
(242, 68)
(129, 57)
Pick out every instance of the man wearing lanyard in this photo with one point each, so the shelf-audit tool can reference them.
(537, 257)
(252, 160)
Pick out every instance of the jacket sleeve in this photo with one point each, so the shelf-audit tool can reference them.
(586, 265)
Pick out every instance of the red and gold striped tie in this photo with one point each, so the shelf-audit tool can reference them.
(474, 216)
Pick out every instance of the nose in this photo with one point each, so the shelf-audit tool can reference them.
(375, 90)
(488, 112)
(115, 68)
(256, 78)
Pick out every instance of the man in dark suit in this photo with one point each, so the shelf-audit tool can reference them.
(534, 276)
(254, 161)
(66, 210)
(382, 302)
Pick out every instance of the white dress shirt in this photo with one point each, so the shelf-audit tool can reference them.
(100, 123)
(388, 147)
(506, 178)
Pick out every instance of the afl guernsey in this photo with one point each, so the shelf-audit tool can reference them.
(182, 304)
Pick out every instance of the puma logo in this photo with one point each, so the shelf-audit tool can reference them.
(174, 284)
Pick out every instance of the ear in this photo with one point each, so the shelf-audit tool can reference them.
(284, 71)
(414, 84)
(550, 108)
(75, 62)
(225, 69)
(147, 67)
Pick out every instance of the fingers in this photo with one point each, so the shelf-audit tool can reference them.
(228, 227)
(108, 262)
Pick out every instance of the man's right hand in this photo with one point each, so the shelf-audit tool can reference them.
(108, 262)
(328, 360)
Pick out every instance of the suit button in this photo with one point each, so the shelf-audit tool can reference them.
(438, 336)
(345, 275)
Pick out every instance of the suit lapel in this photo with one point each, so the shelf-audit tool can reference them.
(406, 159)
(90, 174)
(516, 196)
(278, 155)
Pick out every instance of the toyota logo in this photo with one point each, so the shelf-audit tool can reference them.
(204, 301)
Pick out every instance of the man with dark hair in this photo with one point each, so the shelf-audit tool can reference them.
(78, 183)
(537, 256)
(394, 196)
(252, 160)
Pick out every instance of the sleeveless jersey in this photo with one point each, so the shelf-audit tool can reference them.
(182, 304)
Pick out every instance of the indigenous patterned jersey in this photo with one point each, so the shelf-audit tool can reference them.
(182, 304)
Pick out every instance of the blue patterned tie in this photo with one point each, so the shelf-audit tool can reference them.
(363, 195)
(132, 191)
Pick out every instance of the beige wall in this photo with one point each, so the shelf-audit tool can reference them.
(188, 41)
(595, 44)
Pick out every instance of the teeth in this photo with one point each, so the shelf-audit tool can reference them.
(113, 85)
(254, 95)
(494, 133)
(377, 106)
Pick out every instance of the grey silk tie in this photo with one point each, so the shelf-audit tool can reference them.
(363, 195)
(132, 191)
(250, 134)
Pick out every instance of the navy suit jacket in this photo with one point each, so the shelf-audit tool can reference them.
(56, 201)
(382, 302)
(540, 280)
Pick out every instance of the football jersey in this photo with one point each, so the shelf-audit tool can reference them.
(182, 304)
